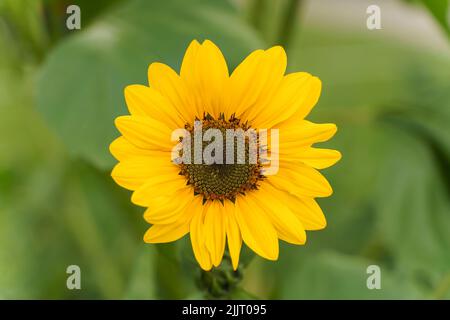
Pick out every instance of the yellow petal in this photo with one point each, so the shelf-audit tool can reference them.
(121, 149)
(145, 101)
(234, 237)
(163, 233)
(215, 231)
(256, 229)
(301, 180)
(272, 71)
(163, 185)
(163, 210)
(205, 72)
(189, 76)
(307, 210)
(165, 80)
(197, 234)
(314, 157)
(254, 81)
(297, 93)
(304, 134)
(189, 64)
(145, 133)
(304, 107)
(134, 172)
(289, 227)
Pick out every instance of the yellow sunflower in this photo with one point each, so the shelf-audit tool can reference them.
(219, 203)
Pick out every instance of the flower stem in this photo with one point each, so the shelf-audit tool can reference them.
(288, 22)
(220, 282)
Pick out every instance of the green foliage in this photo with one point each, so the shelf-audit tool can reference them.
(80, 88)
(330, 275)
(142, 284)
(439, 9)
(60, 92)
(391, 200)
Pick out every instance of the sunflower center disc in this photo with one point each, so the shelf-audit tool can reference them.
(224, 180)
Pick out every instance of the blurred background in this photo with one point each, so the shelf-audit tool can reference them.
(388, 90)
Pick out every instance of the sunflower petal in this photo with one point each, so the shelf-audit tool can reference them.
(234, 237)
(270, 74)
(215, 231)
(314, 157)
(289, 227)
(197, 234)
(307, 210)
(254, 81)
(205, 71)
(189, 64)
(121, 149)
(304, 134)
(133, 173)
(301, 180)
(163, 185)
(189, 76)
(145, 133)
(309, 98)
(145, 101)
(169, 84)
(163, 233)
(163, 210)
(256, 229)
(296, 95)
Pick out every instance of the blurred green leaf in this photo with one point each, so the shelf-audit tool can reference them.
(80, 89)
(173, 276)
(391, 189)
(142, 284)
(440, 10)
(414, 205)
(101, 220)
(330, 275)
(31, 171)
(25, 24)
(379, 94)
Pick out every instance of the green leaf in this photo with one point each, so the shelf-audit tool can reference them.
(31, 242)
(173, 277)
(413, 204)
(380, 95)
(439, 9)
(142, 284)
(102, 225)
(330, 275)
(80, 88)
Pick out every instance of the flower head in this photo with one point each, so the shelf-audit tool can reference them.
(225, 158)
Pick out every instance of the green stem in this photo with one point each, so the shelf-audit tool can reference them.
(221, 282)
(288, 22)
(256, 12)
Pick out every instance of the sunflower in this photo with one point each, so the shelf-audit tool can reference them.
(222, 204)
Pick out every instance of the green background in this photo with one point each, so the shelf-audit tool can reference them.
(60, 91)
